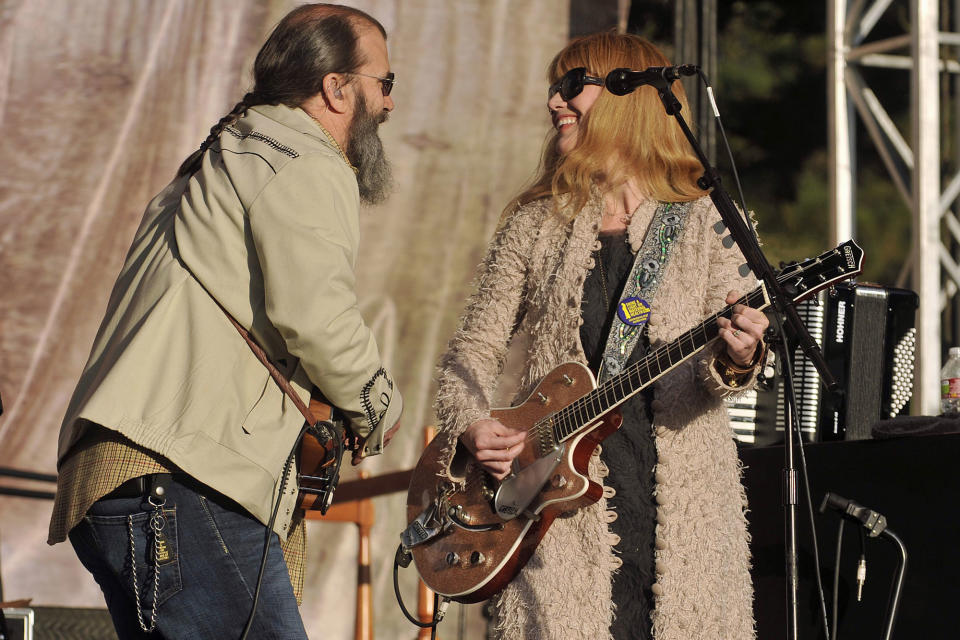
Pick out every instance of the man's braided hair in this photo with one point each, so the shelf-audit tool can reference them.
(310, 42)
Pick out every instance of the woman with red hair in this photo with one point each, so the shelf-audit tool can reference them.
(614, 219)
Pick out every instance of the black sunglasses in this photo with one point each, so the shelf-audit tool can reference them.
(572, 82)
(386, 82)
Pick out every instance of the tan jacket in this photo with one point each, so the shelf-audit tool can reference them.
(269, 228)
(532, 282)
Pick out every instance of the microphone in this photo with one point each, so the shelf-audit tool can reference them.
(872, 521)
(620, 82)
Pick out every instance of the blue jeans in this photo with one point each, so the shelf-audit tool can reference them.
(210, 556)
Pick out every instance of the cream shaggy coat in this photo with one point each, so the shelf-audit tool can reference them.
(532, 281)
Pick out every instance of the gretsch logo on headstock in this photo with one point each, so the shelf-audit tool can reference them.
(851, 260)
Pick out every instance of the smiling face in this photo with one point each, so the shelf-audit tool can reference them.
(567, 115)
(600, 138)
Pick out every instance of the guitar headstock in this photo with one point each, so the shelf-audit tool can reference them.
(803, 279)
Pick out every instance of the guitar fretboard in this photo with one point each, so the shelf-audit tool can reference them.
(610, 394)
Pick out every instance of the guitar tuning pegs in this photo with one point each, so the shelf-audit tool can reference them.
(719, 227)
(728, 241)
(743, 270)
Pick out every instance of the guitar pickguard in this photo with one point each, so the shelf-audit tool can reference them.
(518, 490)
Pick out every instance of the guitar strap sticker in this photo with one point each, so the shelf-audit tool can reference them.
(634, 307)
(633, 311)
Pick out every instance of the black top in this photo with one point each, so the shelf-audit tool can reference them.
(629, 453)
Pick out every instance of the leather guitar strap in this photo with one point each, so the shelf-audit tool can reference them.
(318, 412)
(276, 375)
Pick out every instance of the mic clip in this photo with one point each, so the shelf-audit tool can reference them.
(871, 520)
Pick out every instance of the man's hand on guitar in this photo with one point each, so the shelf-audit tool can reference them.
(743, 332)
(358, 456)
(494, 445)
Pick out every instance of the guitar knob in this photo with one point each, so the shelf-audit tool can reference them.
(477, 558)
(452, 558)
(558, 481)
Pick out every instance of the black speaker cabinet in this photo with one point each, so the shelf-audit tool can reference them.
(910, 480)
(18, 623)
(59, 623)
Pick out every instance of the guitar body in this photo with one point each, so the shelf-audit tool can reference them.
(470, 565)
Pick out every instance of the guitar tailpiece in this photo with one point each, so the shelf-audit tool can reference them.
(424, 527)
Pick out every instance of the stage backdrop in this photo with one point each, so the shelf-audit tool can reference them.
(100, 100)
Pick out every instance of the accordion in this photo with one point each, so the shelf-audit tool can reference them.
(868, 337)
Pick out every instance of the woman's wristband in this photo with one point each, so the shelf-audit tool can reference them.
(730, 371)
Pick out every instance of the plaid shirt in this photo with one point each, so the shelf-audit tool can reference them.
(102, 460)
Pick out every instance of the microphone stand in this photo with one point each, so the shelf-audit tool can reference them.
(876, 524)
(782, 302)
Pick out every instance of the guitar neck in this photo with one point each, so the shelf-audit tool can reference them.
(800, 280)
(571, 419)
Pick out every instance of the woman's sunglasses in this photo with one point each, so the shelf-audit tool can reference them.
(572, 83)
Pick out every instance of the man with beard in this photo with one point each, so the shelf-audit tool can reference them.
(173, 454)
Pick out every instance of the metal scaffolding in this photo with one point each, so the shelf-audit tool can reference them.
(915, 169)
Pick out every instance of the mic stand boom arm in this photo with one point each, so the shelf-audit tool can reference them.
(747, 242)
(785, 308)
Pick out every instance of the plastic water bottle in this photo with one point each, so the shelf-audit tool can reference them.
(950, 384)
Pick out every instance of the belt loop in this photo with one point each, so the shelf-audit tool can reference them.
(159, 484)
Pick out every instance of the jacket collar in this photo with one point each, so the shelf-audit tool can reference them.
(294, 118)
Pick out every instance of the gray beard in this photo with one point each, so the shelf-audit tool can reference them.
(365, 151)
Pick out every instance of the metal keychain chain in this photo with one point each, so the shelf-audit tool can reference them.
(157, 523)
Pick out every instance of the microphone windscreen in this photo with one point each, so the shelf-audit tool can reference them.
(833, 501)
(617, 82)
